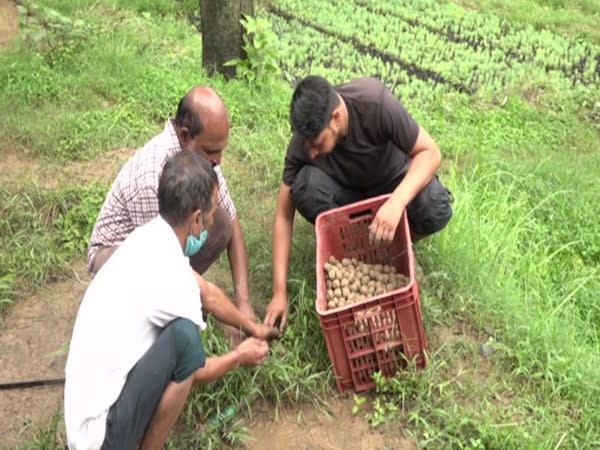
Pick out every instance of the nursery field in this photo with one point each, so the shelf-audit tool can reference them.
(509, 290)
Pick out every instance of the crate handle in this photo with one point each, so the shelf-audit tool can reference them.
(359, 216)
(360, 316)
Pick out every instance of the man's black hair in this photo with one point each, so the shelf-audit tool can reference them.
(187, 183)
(313, 103)
(187, 117)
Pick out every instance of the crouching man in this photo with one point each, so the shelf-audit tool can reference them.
(136, 349)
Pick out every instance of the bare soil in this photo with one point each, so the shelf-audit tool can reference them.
(34, 335)
(305, 428)
(20, 168)
(8, 22)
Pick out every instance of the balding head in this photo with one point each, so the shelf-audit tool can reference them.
(202, 123)
(201, 108)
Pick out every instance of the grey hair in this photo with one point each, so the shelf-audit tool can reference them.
(186, 184)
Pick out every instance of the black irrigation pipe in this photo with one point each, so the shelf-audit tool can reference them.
(479, 44)
(31, 383)
(411, 69)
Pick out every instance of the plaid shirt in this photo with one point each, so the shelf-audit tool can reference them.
(133, 197)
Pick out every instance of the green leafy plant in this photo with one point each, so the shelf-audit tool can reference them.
(50, 32)
(359, 401)
(259, 45)
(76, 223)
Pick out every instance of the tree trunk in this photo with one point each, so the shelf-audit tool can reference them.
(222, 33)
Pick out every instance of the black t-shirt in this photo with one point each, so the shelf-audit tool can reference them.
(379, 129)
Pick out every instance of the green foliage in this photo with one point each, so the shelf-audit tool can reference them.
(75, 222)
(41, 230)
(51, 33)
(49, 437)
(7, 291)
(259, 44)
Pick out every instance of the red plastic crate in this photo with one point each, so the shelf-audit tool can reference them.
(380, 333)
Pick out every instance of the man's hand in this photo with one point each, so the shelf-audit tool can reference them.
(265, 332)
(277, 310)
(383, 228)
(252, 352)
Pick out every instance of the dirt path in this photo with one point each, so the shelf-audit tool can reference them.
(18, 168)
(335, 429)
(33, 339)
(8, 22)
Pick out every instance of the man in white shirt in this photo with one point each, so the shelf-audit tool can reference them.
(136, 349)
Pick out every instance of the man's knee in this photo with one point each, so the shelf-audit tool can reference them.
(219, 233)
(431, 210)
(189, 350)
(314, 192)
(100, 257)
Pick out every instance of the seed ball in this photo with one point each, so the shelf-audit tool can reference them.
(327, 266)
(371, 290)
(329, 294)
(389, 287)
(365, 269)
(386, 269)
(371, 283)
(345, 292)
(344, 282)
(337, 292)
(364, 290)
(345, 262)
(336, 284)
(354, 262)
(356, 286)
(331, 274)
(384, 277)
(331, 305)
(328, 283)
(332, 260)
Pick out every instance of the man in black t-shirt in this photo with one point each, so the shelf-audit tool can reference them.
(350, 143)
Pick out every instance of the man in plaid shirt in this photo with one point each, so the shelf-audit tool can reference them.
(201, 125)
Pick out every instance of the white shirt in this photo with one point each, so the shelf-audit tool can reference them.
(145, 284)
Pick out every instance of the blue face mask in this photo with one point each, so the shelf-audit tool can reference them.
(193, 244)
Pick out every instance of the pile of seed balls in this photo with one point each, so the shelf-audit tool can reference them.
(350, 281)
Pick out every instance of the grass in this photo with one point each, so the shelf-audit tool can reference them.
(576, 18)
(518, 266)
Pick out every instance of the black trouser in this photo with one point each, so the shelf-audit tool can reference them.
(314, 192)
